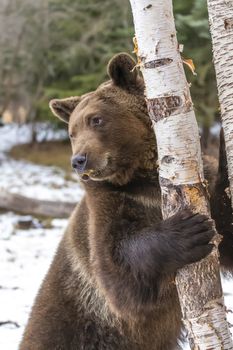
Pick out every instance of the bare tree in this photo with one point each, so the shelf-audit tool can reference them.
(180, 165)
(24, 48)
(221, 26)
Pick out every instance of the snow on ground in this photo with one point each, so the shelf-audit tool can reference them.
(25, 256)
(15, 134)
(32, 180)
(36, 181)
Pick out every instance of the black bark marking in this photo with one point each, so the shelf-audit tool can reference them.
(158, 63)
(228, 23)
(167, 159)
(163, 107)
(3, 323)
(147, 7)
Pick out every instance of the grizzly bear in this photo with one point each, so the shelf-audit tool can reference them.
(111, 283)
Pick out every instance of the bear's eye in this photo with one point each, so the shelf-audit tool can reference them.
(71, 136)
(96, 121)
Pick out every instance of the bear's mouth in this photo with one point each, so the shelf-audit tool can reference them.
(103, 172)
(94, 175)
(98, 172)
(85, 177)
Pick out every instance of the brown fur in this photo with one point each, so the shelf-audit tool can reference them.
(104, 290)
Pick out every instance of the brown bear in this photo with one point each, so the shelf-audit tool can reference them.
(111, 283)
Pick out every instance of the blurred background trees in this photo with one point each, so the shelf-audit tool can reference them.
(59, 48)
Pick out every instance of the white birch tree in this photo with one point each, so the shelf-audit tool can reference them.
(180, 165)
(221, 27)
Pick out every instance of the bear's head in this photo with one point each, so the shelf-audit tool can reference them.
(110, 130)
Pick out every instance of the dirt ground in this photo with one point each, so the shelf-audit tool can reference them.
(50, 153)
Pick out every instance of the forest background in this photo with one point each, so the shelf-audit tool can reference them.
(58, 48)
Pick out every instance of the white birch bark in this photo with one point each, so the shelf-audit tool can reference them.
(221, 27)
(180, 165)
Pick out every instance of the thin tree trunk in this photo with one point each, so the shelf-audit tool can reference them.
(221, 27)
(180, 165)
(9, 75)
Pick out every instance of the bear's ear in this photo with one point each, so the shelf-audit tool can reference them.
(62, 108)
(122, 71)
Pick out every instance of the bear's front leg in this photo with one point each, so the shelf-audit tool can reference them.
(178, 241)
(133, 267)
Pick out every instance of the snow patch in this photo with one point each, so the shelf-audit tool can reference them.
(36, 181)
(25, 256)
(15, 134)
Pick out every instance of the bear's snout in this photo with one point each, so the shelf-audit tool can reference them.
(79, 162)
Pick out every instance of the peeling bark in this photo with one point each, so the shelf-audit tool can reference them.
(180, 166)
(221, 27)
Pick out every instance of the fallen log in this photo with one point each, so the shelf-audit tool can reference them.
(26, 205)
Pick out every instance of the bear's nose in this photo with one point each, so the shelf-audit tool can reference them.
(79, 162)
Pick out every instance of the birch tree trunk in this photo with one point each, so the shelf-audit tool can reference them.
(221, 27)
(180, 165)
